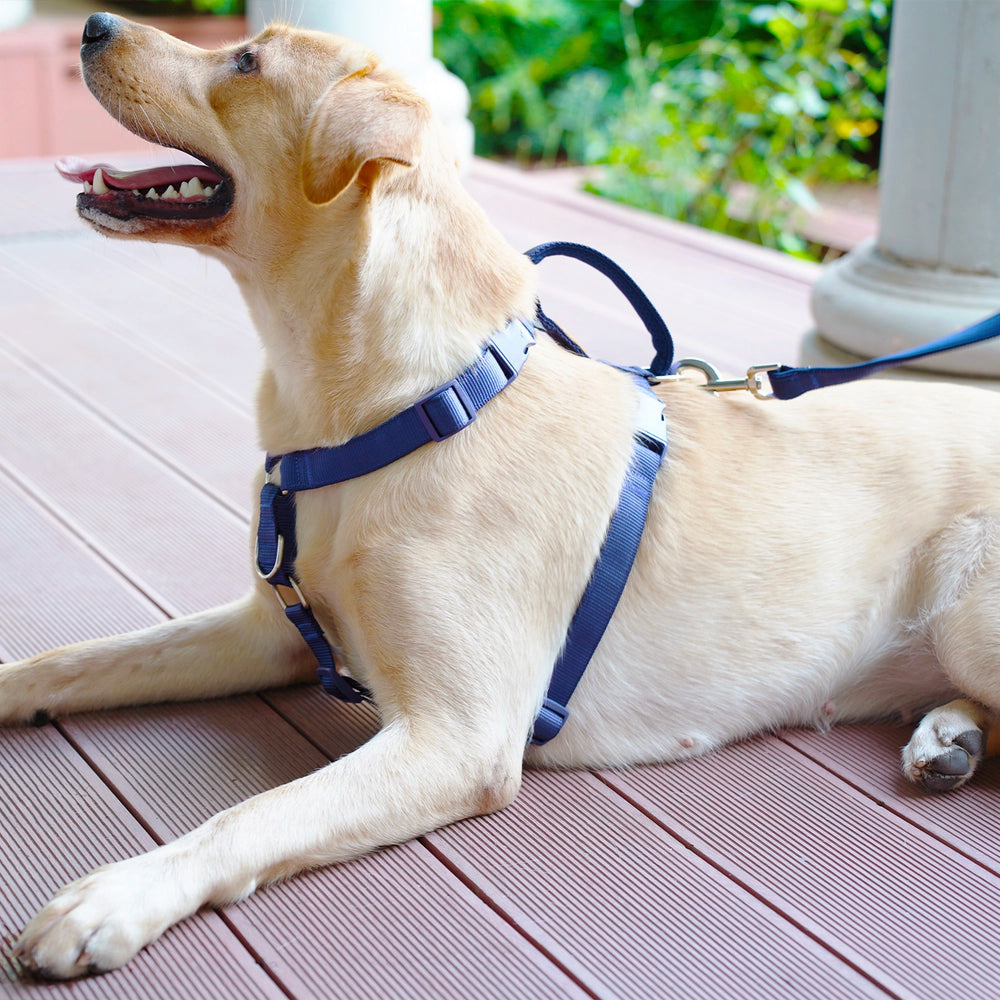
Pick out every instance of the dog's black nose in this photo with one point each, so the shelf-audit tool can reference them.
(99, 28)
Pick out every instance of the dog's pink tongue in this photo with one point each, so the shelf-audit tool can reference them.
(126, 180)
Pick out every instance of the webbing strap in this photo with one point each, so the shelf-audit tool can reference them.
(663, 343)
(614, 564)
(435, 417)
(438, 415)
(335, 683)
(788, 383)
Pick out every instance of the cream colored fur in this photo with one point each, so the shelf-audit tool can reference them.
(808, 562)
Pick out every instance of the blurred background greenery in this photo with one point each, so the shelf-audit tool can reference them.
(723, 113)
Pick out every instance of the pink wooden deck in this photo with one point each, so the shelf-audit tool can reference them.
(796, 865)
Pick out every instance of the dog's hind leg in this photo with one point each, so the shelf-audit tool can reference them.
(243, 646)
(964, 624)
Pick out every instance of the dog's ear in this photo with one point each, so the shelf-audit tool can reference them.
(368, 117)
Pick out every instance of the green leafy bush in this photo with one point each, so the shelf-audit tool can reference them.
(543, 73)
(151, 8)
(783, 96)
(719, 112)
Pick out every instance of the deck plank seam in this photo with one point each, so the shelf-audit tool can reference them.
(467, 882)
(113, 323)
(690, 842)
(108, 420)
(35, 496)
(510, 919)
(289, 719)
(905, 817)
(123, 799)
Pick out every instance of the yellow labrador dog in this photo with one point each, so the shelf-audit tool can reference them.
(857, 531)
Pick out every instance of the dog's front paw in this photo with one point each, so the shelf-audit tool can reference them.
(21, 701)
(99, 922)
(946, 747)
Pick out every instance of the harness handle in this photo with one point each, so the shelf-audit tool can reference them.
(663, 343)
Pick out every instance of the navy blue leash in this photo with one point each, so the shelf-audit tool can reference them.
(788, 383)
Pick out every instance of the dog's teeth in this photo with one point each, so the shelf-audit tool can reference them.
(151, 193)
(195, 188)
(87, 187)
(171, 192)
(99, 186)
(209, 191)
(137, 194)
(185, 189)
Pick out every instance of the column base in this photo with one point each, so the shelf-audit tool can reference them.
(815, 351)
(868, 304)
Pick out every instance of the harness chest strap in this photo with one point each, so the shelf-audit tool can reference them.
(613, 566)
(433, 418)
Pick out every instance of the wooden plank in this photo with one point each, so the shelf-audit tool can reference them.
(872, 887)
(57, 818)
(394, 924)
(572, 864)
(152, 525)
(171, 302)
(59, 590)
(626, 908)
(57, 821)
(868, 758)
(184, 424)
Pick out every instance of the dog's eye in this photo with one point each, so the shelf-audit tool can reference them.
(247, 62)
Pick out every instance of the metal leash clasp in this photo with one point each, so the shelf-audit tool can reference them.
(756, 382)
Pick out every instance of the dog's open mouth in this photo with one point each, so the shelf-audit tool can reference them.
(192, 192)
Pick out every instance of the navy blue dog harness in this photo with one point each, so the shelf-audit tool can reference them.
(453, 406)
(436, 417)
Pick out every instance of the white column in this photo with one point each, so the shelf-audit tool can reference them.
(13, 12)
(400, 31)
(935, 265)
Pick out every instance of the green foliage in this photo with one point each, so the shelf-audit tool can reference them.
(724, 116)
(170, 7)
(543, 73)
(732, 137)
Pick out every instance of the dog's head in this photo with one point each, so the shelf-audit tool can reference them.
(279, 125)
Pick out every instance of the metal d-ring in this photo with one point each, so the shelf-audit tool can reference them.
(278, 559)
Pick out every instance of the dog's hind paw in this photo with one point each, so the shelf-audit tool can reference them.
(946, 747)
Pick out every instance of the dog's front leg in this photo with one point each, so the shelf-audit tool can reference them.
(243, 646)
(400, 784)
